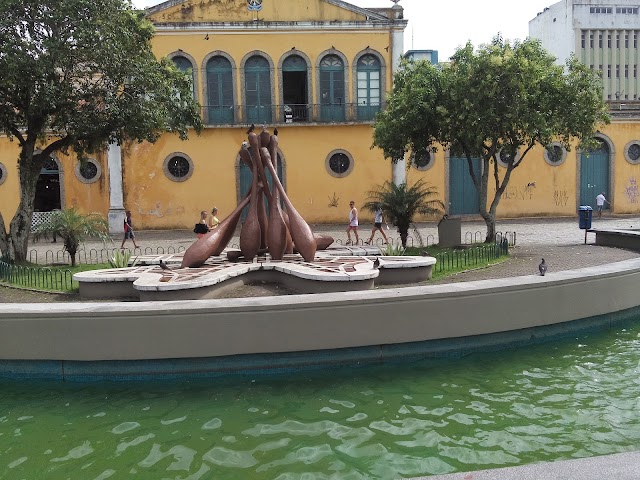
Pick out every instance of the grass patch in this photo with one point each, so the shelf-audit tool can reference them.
(56, 278)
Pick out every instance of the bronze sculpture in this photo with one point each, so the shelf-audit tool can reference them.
(281, 232)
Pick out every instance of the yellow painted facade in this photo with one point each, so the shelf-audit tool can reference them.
(199, 30)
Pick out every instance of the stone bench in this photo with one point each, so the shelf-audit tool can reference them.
(626, 238)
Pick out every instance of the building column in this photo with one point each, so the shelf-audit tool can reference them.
(399, 171)
(116, 197)
(399, 167)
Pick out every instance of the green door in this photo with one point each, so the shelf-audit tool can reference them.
(594, 175)
(257, 80)
(332, 89)
(245, 184)
(219, 91)
(463, 195)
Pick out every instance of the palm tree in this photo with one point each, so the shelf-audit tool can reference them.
(73, 227)
(400, 203)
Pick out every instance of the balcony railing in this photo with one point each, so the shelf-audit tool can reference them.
(289, 113)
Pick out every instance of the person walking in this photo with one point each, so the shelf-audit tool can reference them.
(128, 230)
(353, 223)
(600, 201)
(213, 219)
(377, 225)
(201, 227)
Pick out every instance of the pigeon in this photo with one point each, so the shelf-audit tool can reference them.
(163, 265)
(542, 267)
(376, 263)
(424, 253)
(275, 132)
(251, 128)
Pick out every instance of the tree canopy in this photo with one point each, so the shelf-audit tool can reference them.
(76, 75)
(503, 97)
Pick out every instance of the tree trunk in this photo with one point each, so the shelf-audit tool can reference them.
(490, 220)
(4, 238)
(404, 234)
(29, 167)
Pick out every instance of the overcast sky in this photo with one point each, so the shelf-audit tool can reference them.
(445, 25)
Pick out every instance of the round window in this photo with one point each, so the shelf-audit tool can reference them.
(554, 154)
(339, 163)
(632, 152)
(504, 157)
(178, 167)
(423, 161)
(3, 174)
(88, 171)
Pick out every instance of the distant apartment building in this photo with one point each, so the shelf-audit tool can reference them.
(428, 55)
(603, 34)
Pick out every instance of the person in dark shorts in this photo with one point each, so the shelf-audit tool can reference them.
(128, 230)
(377, 226)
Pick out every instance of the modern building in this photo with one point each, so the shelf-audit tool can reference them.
(428, 55)
(603, 34)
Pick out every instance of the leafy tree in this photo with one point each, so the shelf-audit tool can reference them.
(400, 203)
(73, 227)
(501, 98)
(76, 75)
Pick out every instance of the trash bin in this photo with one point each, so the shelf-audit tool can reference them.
(585, 215)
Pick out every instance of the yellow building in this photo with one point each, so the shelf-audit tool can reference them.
(318, 71)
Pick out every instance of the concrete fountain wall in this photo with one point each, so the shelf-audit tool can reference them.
(138, 339)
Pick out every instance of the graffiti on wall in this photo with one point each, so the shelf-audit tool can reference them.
(561, 198)
(631, 190)
(519, 192)
(333, 202)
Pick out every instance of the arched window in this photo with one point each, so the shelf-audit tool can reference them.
(185, 66)
(257, 80)
(219, 90)
(368, 70)
(332, 89)
(294, 89)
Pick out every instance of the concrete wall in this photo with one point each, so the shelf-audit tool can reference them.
(211, 328)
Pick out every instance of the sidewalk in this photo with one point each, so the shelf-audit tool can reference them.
(529, 232)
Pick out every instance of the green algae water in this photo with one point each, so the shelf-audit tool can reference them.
(563, 400)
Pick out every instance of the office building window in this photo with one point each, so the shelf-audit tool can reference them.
(609, 41)
(600, 40)
(591, 40)
(617, 71)
(617, 40)
(626, 40)
(626, 71)
(608, 71)
(583, 40)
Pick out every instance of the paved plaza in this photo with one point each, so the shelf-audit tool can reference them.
(558, 240)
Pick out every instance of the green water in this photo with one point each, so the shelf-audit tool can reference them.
(563, 400)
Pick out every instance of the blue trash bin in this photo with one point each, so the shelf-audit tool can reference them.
(585, 215)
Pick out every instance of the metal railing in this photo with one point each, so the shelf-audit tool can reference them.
(41, 278)
(94, 256)
(470, 238)
(289, 113)
(471, 257)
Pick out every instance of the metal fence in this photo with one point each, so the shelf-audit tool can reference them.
(470, 238)
(471, 257)
(41, 278)
(93, 256)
